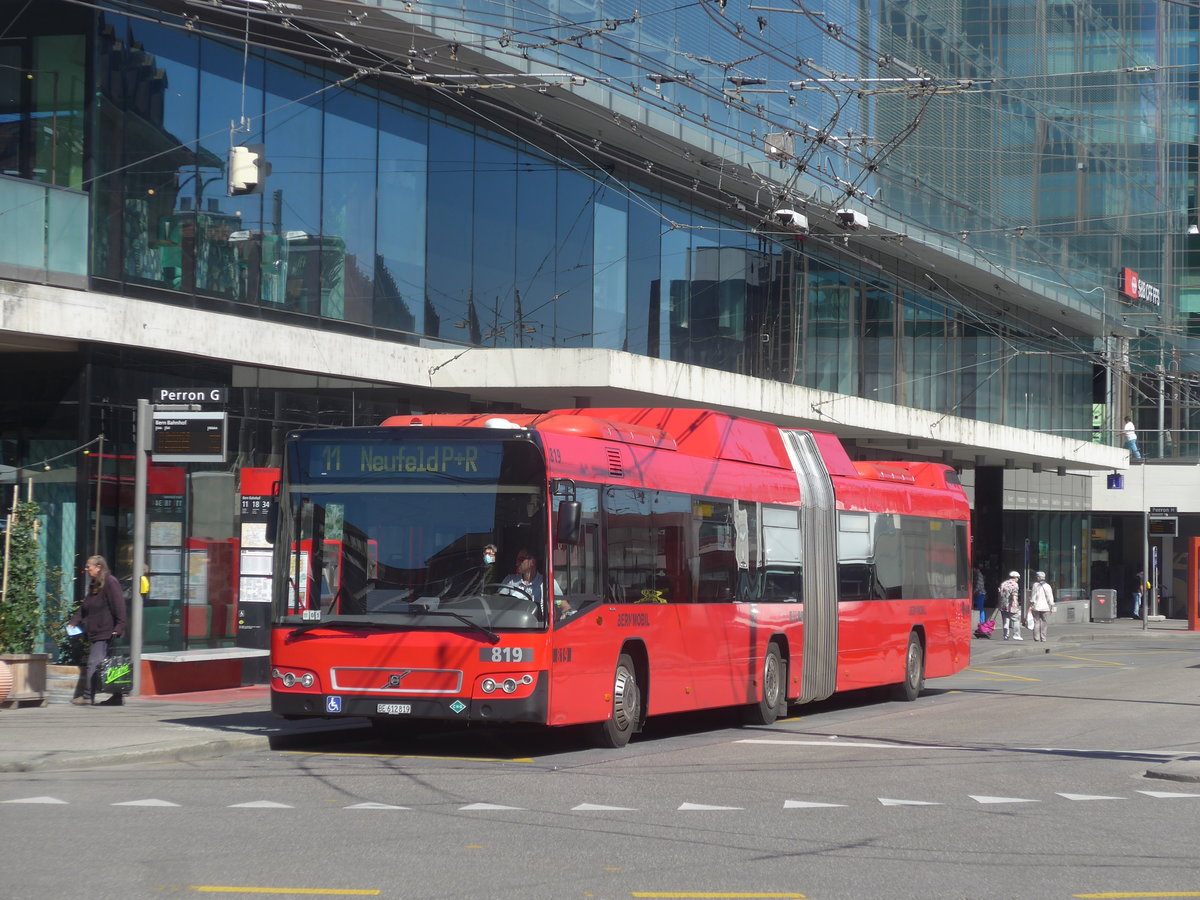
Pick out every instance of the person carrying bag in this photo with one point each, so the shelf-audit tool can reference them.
(101, 616)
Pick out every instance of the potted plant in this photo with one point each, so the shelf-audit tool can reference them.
(22, 669)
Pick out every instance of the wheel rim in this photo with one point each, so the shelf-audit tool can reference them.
(771, 680)
(914, 665)
(626, 700)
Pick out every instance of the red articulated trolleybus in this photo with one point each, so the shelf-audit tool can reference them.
(647, 561)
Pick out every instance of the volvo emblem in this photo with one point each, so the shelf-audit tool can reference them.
(395, 678)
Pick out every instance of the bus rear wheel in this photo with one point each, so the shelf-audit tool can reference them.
(914, 671)
(626, 706)
(772, 701)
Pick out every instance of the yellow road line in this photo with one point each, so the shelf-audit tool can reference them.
(1103, 662)
(717, 895)
(324, 892)
(1001, 674)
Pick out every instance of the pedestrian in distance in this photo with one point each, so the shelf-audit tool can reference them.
(1010, 606)
(1131, 439)
(102, 618)
(978, 591)
(1139, 586)
(1041, 604)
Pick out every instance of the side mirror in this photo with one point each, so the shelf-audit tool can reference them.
(570, 512)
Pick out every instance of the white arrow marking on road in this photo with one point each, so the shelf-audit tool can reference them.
(701, 806)
(148, 802)
(979, 799)
(1166, 795)
(596, 807)
(261, 804)
(886, 802)
(806, 804)
(1087, 796)
(374, 806)
(478, 806)
(36, 800)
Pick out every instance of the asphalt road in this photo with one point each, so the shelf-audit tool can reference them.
(1022, 778)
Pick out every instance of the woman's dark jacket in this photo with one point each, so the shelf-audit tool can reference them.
(102, 612)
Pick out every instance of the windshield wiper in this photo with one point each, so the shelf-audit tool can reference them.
(492, 637)
(338, 622)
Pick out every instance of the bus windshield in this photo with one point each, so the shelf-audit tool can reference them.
(406, 532)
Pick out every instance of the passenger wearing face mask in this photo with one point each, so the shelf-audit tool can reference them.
(489, 564)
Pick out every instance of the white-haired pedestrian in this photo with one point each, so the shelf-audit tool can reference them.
(1041, 604)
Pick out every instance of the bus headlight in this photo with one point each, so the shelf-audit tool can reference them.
(488, 685)
(290, 678)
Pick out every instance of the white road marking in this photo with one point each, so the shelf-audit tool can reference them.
(1087, 796)
(147, 802)
(373, 806)
(886, 802)
(1166, 795)
(36, 800)
(483, 806)
(597, 807)
(806, 804)
(701, 806)
(260, 804)
(983, 799)
(836, 743)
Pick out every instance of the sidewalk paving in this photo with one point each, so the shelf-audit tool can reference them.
(210, 723)
(151, 729)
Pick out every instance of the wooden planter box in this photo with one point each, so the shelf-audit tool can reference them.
(28, 671)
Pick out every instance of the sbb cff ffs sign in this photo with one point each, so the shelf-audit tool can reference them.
(1136, 289)
(188, 437)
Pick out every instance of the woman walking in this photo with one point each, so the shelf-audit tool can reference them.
(1041, 603)
(102, 618)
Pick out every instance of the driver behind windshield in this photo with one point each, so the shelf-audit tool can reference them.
(527, 580)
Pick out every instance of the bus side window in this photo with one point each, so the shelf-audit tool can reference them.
(783, 572)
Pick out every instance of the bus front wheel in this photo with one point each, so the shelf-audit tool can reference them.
(626, 709)
(914, 671)
(772, 699)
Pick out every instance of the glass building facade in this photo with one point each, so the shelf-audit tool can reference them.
(441, 180)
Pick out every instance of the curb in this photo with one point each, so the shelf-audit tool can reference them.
(177, 751)
(1187, 770)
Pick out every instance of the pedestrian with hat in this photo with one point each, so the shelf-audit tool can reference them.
(1010, 606)
(1041, 604)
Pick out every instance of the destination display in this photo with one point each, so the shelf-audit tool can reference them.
(188, 437)
(473, 461)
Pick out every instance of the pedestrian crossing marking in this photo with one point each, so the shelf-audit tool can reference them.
(984, 799)
(1087, 796)
(888, 802)
(37, 800)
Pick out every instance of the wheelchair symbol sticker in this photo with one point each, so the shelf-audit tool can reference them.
(333, 704)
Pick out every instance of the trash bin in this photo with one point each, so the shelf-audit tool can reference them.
(1104, 605)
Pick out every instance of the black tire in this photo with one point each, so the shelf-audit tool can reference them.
(914, 671)
(626, 713)
(772, 701)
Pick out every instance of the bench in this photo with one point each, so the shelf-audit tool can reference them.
(205, 669)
